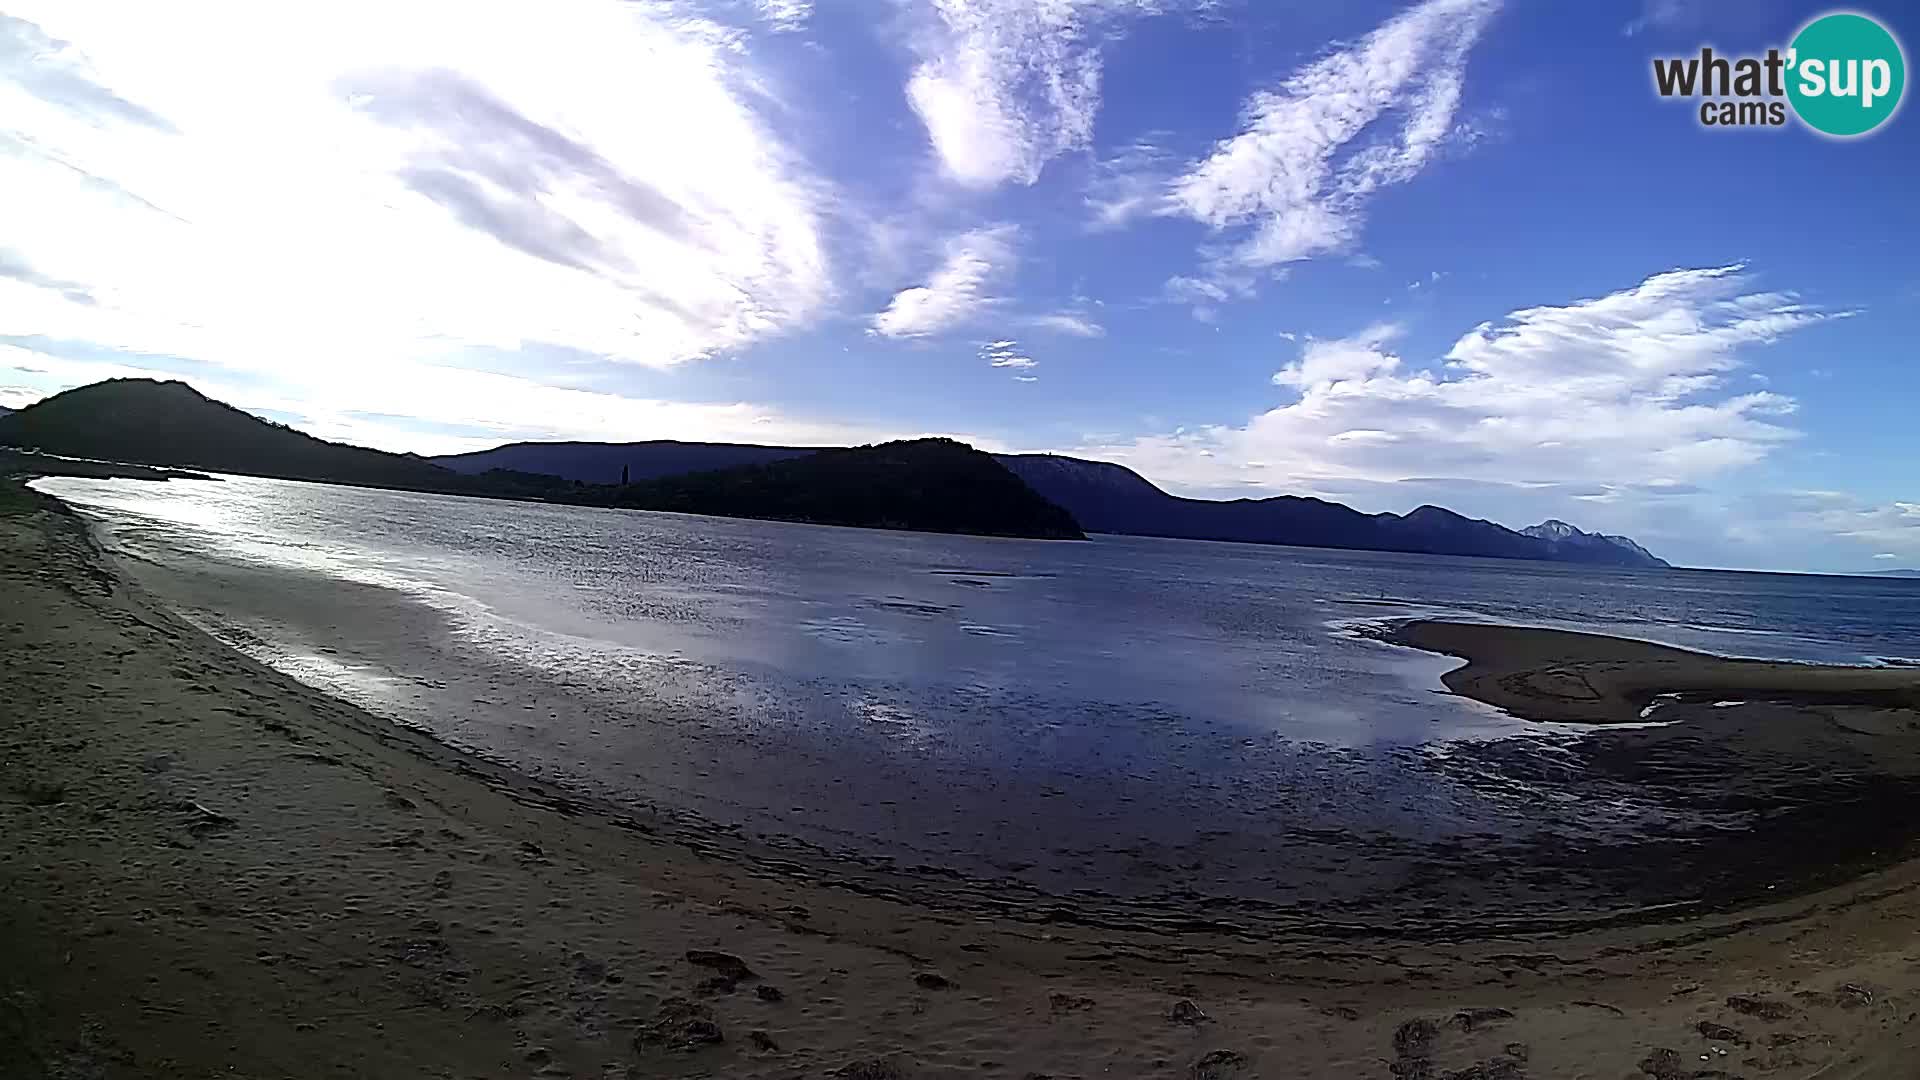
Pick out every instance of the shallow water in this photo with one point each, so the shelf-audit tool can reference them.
(1143, 717)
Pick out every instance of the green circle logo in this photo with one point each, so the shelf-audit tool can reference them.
(1845, 74)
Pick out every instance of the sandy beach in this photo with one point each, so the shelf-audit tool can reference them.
(1559, 675)
(211, 869)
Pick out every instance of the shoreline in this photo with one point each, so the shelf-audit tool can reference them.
(210, 866)
(25, 464)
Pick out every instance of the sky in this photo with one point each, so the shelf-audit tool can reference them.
(1388, 253)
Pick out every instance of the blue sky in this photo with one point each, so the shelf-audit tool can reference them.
(1390, 253)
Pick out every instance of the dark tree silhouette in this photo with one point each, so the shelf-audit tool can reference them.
(931, 485)
(169, 423)
(935, 485)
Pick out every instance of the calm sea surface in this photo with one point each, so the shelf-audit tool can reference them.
(1074, 714)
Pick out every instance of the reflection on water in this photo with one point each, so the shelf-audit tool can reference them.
(1131, 714)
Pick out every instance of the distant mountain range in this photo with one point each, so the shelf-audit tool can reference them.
(931, 485)
(1905, 572)
(926, 484)
(1105, 497)
(1605, 546)
(1109, 498)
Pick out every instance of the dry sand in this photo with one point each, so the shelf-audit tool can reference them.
(207, 869)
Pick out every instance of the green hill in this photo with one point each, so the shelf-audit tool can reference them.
(146, 422)
(929, 485)
(932, 485)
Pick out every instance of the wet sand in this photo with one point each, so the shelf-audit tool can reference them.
(1559, 675)
(209, 869)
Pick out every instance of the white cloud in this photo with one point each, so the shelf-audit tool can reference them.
(1200, 291)
(1206, 293)
(1663, 14)
(1130, 183)
(1893, 527)
(1727, 19)
(1835, 529)
(1297, 178)
(1207, 290)
(1004, 86)
(1026, 378)
(1006, 354)
(1071, 322)
(1626, 385)
(272, 188)
(784, 15)
(1344, 359)
(957, 291)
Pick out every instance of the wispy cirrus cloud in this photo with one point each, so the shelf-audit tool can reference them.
(958, 290)
(327, 192)
(1130, 183)
(1004, 86)
(13, 265)
(58, 73)
(1209, 290)
(784, 16)
(1006, 354)
(1666, 15)
(1076, 320)
(1295, 181)
(1631, 384)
